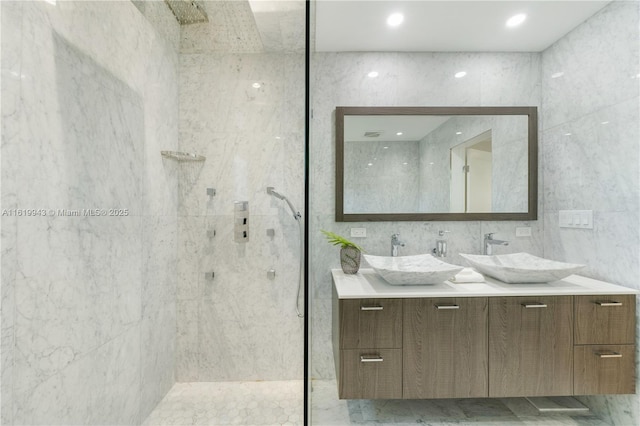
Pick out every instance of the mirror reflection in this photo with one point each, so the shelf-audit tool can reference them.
(435, 161)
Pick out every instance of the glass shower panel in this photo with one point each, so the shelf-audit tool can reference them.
(124, 292)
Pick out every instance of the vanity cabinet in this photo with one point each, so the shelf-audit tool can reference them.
(445, 348)
(368, 348)
(530, 346)
(604, 351)
(440, 342)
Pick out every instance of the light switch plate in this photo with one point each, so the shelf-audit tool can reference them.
(523, 231)
(582, 219)
(359, 232)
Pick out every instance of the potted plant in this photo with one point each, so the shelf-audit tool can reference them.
(349, 252)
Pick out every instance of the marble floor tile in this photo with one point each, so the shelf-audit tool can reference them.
(328, 410)
(230, 403)
(280, 403)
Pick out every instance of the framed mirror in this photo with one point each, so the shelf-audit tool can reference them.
(436, 163)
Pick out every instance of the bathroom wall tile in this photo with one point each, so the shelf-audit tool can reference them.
(93, 114)
(158, 324)
(187, 364)
(591, 162)
(509, 80)
(240, 167)
(590, 150)
(192, 239)
(78, 289)
(11, 27)
(602, 54)
(614, 246)
(103, 387)
(438, 85)
(243, 314)
(231, 77)
(252, 138)
(346, 74)
(158, 352)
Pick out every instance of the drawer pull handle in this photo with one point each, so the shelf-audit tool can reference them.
(371, 308)
(609, 354)
(608, 303)
(447, 306)
(534, 305)
(371, 358)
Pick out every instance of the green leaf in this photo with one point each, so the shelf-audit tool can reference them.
(336, 239)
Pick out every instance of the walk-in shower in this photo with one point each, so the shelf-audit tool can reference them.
(298, 217)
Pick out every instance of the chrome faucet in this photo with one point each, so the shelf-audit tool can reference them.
(441, 245)
(489, 242)
(395, 243)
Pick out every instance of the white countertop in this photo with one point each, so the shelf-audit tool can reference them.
(368, 284)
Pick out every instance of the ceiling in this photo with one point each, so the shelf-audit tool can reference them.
(446, 26)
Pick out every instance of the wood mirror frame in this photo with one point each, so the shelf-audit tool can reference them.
(532, 178)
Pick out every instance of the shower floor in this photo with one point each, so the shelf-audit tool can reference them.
(230, 403)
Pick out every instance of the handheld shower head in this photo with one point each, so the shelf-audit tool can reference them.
(271, 191)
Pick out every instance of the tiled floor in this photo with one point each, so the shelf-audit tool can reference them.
(230, 403)
(280, 403)
(327, 410)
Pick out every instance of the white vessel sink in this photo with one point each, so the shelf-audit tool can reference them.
(521, 267)
(412, 270)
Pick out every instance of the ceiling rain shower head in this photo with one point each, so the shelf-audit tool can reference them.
(187, 11)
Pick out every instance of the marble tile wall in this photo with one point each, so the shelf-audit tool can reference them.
(241, 325)
(88, 302)
(591, 153)
(340, 79)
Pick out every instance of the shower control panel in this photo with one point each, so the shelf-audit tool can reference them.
(241, 221)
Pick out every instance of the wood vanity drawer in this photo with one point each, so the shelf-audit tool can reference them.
(370, 323)
(604, 369)
(370, 374)
(605, 319)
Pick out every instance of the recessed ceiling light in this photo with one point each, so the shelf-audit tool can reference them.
(370, 164)
(404, 164)
(557, 74)
(516, 20)
(385, 147)
(567, 134)
(395, 19)
(256, 85)
(605, 122)
(399, 134)
(458, 133)
(373, 74)
(460, 74)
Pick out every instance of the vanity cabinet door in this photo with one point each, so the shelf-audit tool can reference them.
(370, 374)
(604, 369)
(530, 346)
(445, 348)
(605, 319)
(370, 323)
